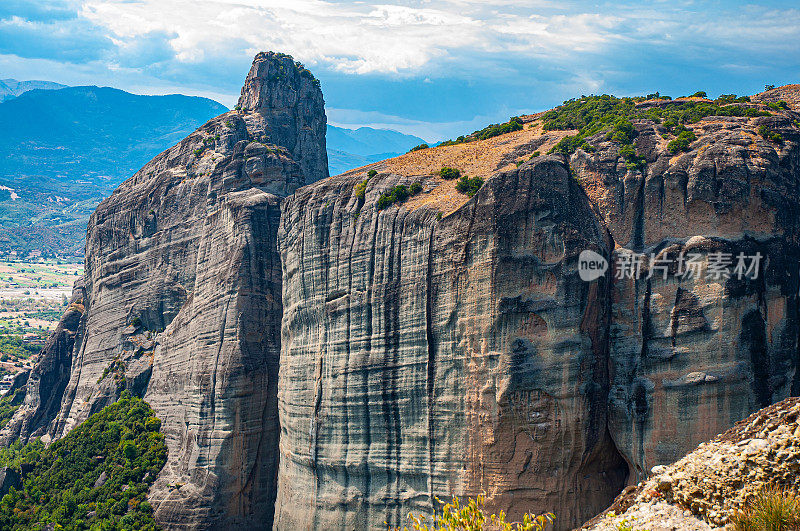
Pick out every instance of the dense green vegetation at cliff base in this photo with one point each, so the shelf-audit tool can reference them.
(96, 477)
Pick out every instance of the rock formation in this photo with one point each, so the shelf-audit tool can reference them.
(715, 349)
(424, 356)
(705, 488)
(446, 346)
(443, 345)
(183, 302)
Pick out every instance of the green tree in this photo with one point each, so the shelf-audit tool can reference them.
(121, 442)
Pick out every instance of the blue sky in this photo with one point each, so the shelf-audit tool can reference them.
(434, 68)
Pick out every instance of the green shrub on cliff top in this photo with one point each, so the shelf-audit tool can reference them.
(681, 143)
(96, 477)
(398, 194)
(361, 189)
(513, 124)
(449, 173)
(570, 144)
(778, 105)
(593, 114)
(731, 98)
(590, 115)
(469, 185)
(769, 134)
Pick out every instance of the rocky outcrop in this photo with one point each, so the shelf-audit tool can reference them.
(447, 347)
(45, 385)
(183, 300)
(705, 488)
(788, 93)
(282, 100)
(443, 345)
(713, 348)
(424, 356)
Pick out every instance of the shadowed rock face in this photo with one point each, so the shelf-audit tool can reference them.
(183, 301)
(689, 357)
(422, 357)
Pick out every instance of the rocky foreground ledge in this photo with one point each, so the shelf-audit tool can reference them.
(702, 490)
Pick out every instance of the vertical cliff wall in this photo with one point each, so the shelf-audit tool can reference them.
(425, 356)
(718, 348)
(182, 302)
(446, 346)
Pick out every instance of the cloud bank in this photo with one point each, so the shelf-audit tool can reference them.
(431, 65)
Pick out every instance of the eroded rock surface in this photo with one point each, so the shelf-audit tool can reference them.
(445, 345)
(705, 488)
(712, 347)
(183, 300)
(426, 356)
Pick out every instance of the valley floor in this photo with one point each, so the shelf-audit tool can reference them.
(33, 295)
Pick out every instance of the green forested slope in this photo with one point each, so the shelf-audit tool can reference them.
(96, 477)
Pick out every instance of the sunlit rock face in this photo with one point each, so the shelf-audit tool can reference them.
(424, 356)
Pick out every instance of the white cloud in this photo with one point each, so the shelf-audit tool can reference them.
(357, 38)
(365, 37)
(525, 52)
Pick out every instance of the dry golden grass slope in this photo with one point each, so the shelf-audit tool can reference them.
(485, 158)
(482, 158)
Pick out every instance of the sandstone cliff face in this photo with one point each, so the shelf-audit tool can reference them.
(183, 301)
(716, 349)
(426, 355)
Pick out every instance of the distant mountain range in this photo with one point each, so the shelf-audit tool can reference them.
(351, 148)
(11, 88)
(63, 149)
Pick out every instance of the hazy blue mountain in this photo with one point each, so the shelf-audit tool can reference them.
(103, 135)
(62, 151)
(351, 148)
(11, 88)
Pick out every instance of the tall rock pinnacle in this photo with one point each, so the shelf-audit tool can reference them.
(282, 98)
(182, 303)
